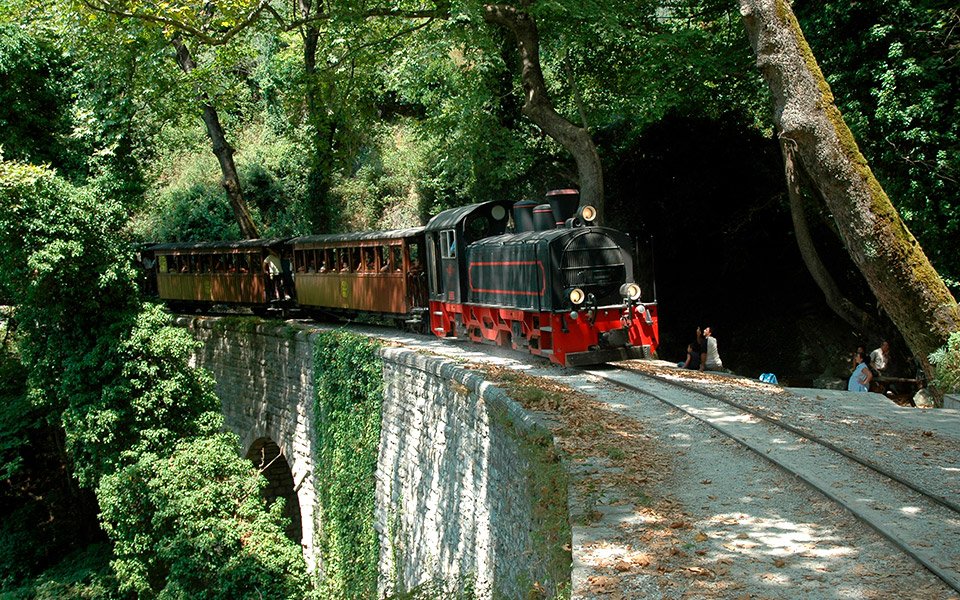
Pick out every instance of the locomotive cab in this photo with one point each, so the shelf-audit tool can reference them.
(449, 234)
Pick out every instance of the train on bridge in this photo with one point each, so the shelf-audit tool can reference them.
(544, 278)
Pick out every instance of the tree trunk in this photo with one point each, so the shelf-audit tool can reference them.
(538, 107)
(221, 149)
(901, 277)
(840, 304)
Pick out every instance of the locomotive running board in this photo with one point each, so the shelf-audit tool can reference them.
(595, 357)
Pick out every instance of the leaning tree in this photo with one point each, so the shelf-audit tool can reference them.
(818, 143)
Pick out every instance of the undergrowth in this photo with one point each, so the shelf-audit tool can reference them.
(349, 380)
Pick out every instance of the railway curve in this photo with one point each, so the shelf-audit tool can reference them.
(917, 517)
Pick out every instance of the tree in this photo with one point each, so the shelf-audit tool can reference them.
(136, 416)
(898, 272)
(221, 148)
(177, 22)
(893, 67)
(538, 106)
(856, 317)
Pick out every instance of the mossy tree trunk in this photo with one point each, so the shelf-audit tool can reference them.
(901, 277)
(539, 108)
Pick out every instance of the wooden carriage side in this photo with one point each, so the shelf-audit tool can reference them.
(215, 272)
(376, 272)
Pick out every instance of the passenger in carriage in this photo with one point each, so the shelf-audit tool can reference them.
(382, 258)
(323, 267)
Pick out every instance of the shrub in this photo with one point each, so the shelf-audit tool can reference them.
(946, 363)
(191, 524)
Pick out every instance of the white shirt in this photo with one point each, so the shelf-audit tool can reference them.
(878, 360)
(713, 356)
(271, 265)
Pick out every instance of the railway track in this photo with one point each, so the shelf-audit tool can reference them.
(924, 523)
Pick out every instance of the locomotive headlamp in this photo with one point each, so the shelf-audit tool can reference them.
(576, 296)
(498, 213)
(630, 291)
(587, 214)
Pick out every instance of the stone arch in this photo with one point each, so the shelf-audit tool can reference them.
(270, 461)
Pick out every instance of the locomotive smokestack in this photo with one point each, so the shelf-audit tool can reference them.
(523, 216)
(564, 204)
(543, 219)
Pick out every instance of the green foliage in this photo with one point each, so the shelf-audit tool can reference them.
(34, 102)
(188, 202)
(459, 75)
(199, 212)
(135, 389)
(613, 67)
(65, 264)
(946, 364)
(349, 379)
(15, 413)
(191, 524)
(385, 191)
(82, 575)
(24, 535)
(141, 425)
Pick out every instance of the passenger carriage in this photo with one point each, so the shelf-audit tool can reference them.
(232, 273)
(375, 272)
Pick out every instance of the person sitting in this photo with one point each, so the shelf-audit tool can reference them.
(693, 358)
(710, 355)
(860, 378)
(880, 358)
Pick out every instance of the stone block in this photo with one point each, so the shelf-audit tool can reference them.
(952, 401)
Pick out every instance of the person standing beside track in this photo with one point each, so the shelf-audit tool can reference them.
(861, 376)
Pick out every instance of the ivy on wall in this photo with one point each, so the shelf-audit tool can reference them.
(349, 379)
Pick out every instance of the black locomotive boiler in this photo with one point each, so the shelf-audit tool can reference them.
(553, 283)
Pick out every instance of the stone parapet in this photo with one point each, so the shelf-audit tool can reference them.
(456, 491)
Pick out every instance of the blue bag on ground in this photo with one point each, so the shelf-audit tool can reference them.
(768, 378)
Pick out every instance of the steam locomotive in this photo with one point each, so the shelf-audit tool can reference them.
(554, 284)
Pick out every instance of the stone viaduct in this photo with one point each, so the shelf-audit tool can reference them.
(455, 494)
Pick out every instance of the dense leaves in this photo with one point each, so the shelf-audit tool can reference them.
(141, 426)
(34, 108)
(346, 116)
(198, 528)
(946, 362)
(349, 380)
